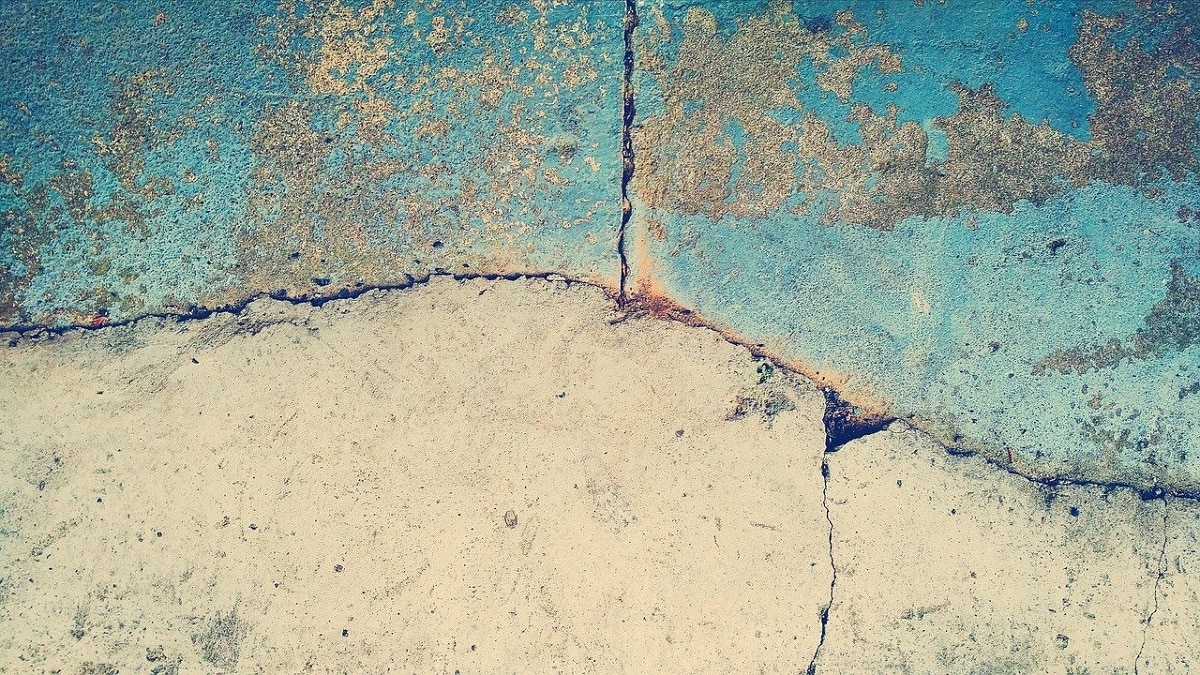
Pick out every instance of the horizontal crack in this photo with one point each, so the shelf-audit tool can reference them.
(847, 422)
(1145, 493)
(841, 428)
(314, 299)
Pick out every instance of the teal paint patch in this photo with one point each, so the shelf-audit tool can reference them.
(967, 264)
(937, 148)
(982, 218)
(155, 160)
(1021, 49)
(948, 325)
(108, 132)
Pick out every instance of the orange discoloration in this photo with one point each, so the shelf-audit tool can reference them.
(649, 298)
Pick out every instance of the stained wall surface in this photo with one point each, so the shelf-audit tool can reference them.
(980, 217)
(158, 157)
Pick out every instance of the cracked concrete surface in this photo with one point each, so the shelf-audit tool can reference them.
(1160, 570)
(857, 190)
(802, 185)
(948, 565)
(500, 476)
(310, 471)
(1173, 633)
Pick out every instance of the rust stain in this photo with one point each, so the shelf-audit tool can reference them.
(648, 299)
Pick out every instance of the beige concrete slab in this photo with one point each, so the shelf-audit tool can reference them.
(474, 477)
(949, 565)
(1173, 629)
(507, 477)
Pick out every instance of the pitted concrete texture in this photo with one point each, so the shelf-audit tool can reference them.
(333, 489)
(950, 565)
(510, 477)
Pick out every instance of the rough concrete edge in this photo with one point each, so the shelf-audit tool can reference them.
(847, 418)
(840, 427)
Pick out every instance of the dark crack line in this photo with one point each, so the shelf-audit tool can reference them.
(1144, 493)
(315, 300)
(812, 665)
(1162, 571)
(685, 316)
(845, 422)
(627, 115)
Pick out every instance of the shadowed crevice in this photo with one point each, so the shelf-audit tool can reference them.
(845, 422)
(627, 162)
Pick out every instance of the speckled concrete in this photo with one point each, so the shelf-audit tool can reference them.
(939, 209)
(979, 221)
(513, 476)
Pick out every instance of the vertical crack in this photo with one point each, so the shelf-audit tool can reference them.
(1162, 571)
(812, 665)
(627, 114)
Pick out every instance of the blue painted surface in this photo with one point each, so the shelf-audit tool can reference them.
(947, 324)
(977, 43)
(407, 137)
(986, 320)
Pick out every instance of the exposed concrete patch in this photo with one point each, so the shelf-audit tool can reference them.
(400, 478)
(947, 566)
(331, 486)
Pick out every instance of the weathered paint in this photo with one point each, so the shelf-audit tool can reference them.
(156, 157)
(980, 216)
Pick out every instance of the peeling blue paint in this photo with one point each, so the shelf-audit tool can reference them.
(495, 126)
(982, 217)
(1000, 326)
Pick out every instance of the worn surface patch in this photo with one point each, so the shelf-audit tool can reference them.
(152, 160)
(484, 476)
(935, 208)
(977, 217)
(947, 566)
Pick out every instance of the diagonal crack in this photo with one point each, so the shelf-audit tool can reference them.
(1162, 571)
(1144, 492)
(843, 421)
(812, 665)
(627, 115)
